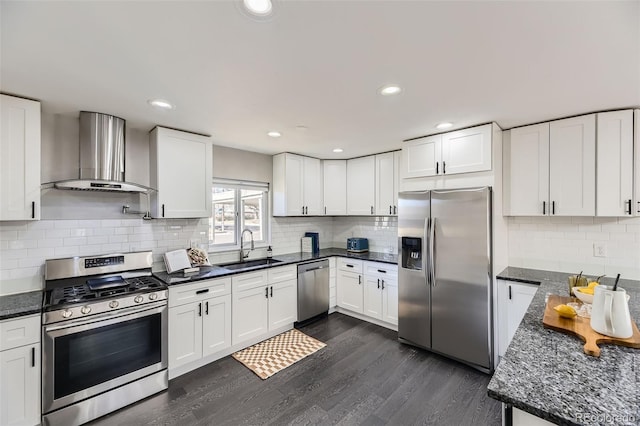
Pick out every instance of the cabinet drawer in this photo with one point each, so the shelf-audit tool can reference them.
(350, 265)
(187, 293)
(381, 269)
(249, 280)
(19, 332)
(282, 273)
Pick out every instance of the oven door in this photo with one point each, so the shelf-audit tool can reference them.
(88, 356)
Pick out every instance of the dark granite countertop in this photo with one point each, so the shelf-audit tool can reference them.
(210, 272)
(547, 374)
(17, 305)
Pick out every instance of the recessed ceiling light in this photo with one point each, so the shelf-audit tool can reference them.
(258, 7)
(274, 134)
(445, 125)
(337, 150)
(160, 103)
(390, 89)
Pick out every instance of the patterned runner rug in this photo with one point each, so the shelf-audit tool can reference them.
(275, 354)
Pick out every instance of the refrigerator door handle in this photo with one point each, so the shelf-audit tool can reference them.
(425, 257)
(432, 251)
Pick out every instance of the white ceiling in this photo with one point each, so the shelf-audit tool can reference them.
(319, 64)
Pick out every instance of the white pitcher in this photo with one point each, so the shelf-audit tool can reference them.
(610, 312)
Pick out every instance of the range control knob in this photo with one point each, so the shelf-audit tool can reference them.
(138, 299)
(67, 313)
(85, 310)
(153, 296)
(113, 304)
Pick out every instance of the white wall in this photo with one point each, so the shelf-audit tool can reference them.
(565, 244)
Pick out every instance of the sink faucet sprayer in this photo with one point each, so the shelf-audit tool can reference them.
(242, 255)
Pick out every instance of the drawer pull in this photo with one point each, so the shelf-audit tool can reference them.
(348, 266)
(382, 271)
(204, 290)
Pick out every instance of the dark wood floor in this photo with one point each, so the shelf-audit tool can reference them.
(363, 376)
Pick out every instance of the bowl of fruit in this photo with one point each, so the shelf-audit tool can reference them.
(585, 294)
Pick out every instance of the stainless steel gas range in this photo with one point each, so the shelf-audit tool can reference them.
(104, 336)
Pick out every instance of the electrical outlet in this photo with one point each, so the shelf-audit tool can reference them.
(599, 250)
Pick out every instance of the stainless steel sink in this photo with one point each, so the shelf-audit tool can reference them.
(249, 264)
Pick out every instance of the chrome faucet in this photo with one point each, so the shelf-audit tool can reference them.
(242, 255)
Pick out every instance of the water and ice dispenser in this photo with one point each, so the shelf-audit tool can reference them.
(412, 253)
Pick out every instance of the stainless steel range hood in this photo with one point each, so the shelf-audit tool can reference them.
(102, 153)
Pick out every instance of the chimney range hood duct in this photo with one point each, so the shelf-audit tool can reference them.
(102, 155)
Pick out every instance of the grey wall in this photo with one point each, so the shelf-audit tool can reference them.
(230, 163)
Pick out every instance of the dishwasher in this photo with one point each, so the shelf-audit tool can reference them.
(313, 289)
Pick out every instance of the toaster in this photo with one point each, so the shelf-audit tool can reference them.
(357, 245)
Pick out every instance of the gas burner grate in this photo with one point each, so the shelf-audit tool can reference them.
(142, 282)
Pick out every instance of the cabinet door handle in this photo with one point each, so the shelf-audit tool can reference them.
(390, 209)
(383, 284)
(302, 212)
(444, 167)
(306, 210)
(325, 209)
(378, 282)
(206, 308)
(638, 207)
(200, 309)
(33, 210)
(271, 291)
(553, 207)
(33, 357)
(437, 167)
(163, 210)
(625, 210)
(544, 208)
(509, 292)
(359, 279)
(395, 209)
(204, 290)
(371, 209)
(266, 292)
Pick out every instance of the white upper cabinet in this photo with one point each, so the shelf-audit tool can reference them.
(614, 182)
(467, 150)
(462, 151)
(312, 193)
(335, 187)
(387, 183)
(297, 185)
(397, 159)
(526, 171)
(421, 157)
(636, 150)
(19, 159)
(572, 166)
(181, 171)
(361, 191)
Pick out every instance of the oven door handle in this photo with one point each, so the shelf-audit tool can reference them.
(134, 312)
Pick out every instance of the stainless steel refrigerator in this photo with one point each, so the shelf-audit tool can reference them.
(445, 273)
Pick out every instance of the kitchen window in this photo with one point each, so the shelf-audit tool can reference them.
(238, 205)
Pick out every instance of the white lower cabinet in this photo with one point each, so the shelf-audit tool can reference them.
(381, 291)
(514, 299)
(199, 324)
(333, 274)
(368, 288)
(349, 285)
(263, 302)
(20, 371)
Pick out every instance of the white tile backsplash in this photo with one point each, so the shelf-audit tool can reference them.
(560, 244)
(566, 244)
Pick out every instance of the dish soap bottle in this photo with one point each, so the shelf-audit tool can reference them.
(269, 252)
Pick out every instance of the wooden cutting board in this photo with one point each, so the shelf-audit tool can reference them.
(581, 327)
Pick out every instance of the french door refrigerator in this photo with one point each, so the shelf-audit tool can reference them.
(445, 273)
